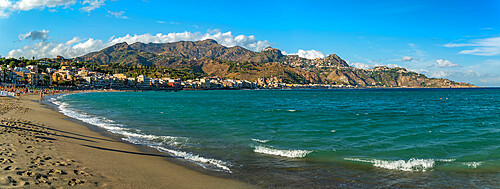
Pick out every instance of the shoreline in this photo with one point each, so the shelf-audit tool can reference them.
(108, 161)
(119, 137)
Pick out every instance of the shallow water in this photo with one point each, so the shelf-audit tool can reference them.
(314, 138)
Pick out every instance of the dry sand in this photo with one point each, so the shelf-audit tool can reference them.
(40, 147)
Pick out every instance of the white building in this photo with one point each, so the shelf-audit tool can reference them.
(146, 81)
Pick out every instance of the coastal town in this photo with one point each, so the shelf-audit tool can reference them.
(58, 72)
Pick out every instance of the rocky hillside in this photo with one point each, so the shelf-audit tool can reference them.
(386, 77)
(160, 53)
(213, 59)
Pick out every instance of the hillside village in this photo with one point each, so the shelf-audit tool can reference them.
(44, 73)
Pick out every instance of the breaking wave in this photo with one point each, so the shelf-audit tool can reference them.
(202, 161)
(473, 165)
(260, 141)
(283, 153)
(133, 136)
(412, 164)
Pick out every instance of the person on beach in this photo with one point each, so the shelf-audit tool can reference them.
(41, 95)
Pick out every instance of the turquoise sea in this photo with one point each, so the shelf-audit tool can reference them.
(313, 138)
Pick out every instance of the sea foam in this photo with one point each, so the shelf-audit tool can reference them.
(412, 164)
(280, 152)
(199, 159)
(93, 120)
(260, 141)
(152, 141)
(473, 165)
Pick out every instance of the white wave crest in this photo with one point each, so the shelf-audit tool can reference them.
(446, 160)
(259, 140)
(142, 139)
(412, 164)
(169, 140)
(473, 164)
(93, 120)
(279, 152)
(196, 158)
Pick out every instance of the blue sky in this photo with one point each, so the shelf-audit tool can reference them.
(459, 40)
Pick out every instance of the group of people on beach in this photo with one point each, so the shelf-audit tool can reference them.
(26, 90)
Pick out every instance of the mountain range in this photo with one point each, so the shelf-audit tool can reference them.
(236, 62)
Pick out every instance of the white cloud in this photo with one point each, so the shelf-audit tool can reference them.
(50, 49)
(373, 65)
(434, 73)
(445, 63)
(455, 45)
(34, 35)
(226, 39)
(415, 50)
(8, 6)
(360, 65)
(487, 66)
(75, 47)
(92, 5)
(394, 66)
(26, 5)
(483, 47)
(4, 14)
(490, 80)
(486, 73)
(309, 54)
(4, 5)
(163, 22)
(72, 41)
(388, 65)
(439, 74)
(407, 58)
(419, 70)
(118, 14)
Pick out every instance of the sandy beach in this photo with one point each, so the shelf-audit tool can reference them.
(40, 147)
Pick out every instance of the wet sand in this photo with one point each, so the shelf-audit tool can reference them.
(40, 147)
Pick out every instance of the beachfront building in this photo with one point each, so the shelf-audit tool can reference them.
(61, 76)
(26, 76)
(120, 76)
(32, 68)
(69, 75)
(145, 81)
(154, 82)
(132, 82)
(193, 84)
(7, 76)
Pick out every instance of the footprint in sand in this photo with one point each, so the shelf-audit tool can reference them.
(61, 163)
(57, 171)
(26, 173)
(9, 168)
(10, 181)
(83, 173)
(5, 161)
(74, 182)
